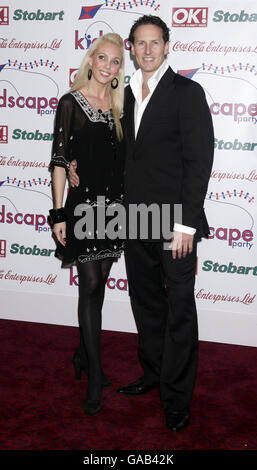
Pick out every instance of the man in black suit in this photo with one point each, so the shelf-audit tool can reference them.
(169, 139)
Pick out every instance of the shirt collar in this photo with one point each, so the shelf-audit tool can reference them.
(137, 80)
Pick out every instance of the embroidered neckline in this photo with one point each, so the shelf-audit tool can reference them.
(91, 113)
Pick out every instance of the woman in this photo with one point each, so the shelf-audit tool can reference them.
(88, 129)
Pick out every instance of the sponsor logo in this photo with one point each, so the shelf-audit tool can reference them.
(246, 299)
(72, 76)
(228, 206)
(233, 236)
(18, 44)
(3, 134)
(213, 47)
(220, 175)
(228, 17)
(189, 17)
(16, 248)
(212, 78)
(2, 248)
(10, 275)
(37, 221)
(239, 111)
(229, 268)
(38, 15)
(220, 144)
(89, 12)
(4, 16)
(22, 164)
(39, 103)
(44, 103)
(112, 283)
(36, 135)
(84, 42)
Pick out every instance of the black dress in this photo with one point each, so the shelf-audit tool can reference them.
(88, 136)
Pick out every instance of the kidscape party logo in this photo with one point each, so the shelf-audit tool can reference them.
(29, 85)
(89, 12)
(102, 15)
(230, 90)
(13, 190)
(230, 218)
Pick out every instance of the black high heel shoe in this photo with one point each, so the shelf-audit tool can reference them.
(79, 367)
(92, 405)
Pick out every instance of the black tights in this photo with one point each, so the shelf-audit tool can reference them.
(92, 280)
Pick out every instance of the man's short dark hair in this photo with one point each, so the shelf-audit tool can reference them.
(153, 20)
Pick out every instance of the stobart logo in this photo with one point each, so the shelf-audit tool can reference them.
(228, 17)
(229, 268)
(220, 144)
(38, 15)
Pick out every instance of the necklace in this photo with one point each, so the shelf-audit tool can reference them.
(95, 101)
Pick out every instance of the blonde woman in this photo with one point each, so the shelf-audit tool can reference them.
(88, 129)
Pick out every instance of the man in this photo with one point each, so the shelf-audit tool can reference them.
(169, 140)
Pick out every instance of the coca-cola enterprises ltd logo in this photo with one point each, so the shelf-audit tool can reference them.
(207, 295)
(194, 17)
(21, 278)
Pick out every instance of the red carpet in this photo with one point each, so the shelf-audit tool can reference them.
(42, 403)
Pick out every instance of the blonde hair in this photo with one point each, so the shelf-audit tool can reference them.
(117, 95)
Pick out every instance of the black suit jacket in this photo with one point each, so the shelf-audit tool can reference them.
(170, 160)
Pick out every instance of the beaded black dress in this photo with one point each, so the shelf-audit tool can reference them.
(88, 136)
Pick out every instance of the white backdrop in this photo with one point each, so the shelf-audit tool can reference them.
(42, 44)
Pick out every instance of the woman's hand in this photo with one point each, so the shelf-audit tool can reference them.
(59, 231)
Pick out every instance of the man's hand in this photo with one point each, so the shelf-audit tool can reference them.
(73, 177)
(181, 244)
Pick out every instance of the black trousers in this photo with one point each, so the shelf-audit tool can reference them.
(162, 298)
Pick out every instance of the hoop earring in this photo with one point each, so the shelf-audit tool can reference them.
(114, 83)
(89, 74)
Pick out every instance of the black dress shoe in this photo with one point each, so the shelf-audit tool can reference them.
(177, 420)
(137, 388)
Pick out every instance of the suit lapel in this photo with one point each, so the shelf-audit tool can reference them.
(154, 103)
(129, 114)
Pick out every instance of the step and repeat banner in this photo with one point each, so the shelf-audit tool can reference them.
(42, 44)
